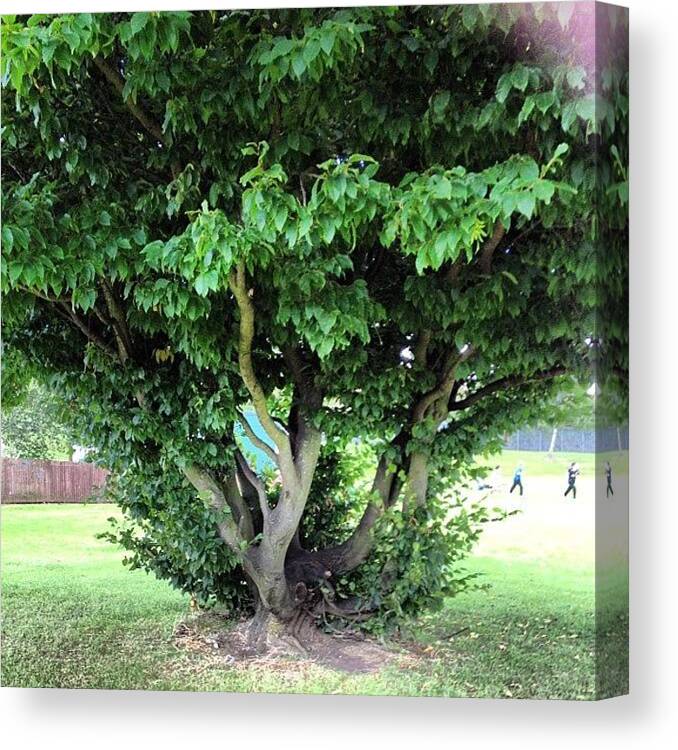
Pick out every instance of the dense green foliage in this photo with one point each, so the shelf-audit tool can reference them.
(372, 223)
(36, 427)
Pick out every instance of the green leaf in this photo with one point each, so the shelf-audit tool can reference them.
(411, 43)
(280, 217)
(105, 218)
(576, 77)
(328, 229)
(213, 195)
(72, 38)
(421, 262)
(440, 102)
(520, 77)
(442, 189)
(544, 190)
(569, 115)
(325, 347)
(47, 51)
(311, 51)
(525, 204)
(15, 270)
(298, 65)
(327, 40)
(140, 236)
(544, 101)
(504, 87)
(526, 111)
(30, 274)
(586, 108)
(202, 284)
(431, 60)
(529, 170)
(153, 251)
(326, 320)
(282, 47)
(437, 252)
(561, 148)
(336, 187)
(7, 239)
(139, 21)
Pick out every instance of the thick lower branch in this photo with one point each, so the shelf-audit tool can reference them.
(416, 486)
(209, 489)
(351, 553)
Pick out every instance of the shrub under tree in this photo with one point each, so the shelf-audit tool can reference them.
(380, 229)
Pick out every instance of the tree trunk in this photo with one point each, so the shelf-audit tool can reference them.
(552, 445)
(416, 487)
(267, 631)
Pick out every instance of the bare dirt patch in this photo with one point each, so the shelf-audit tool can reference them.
(222, 641)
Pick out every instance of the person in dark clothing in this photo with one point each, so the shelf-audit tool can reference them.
(608, 474)
(571, 480)
(517, 479)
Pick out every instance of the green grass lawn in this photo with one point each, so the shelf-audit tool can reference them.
(73, 616)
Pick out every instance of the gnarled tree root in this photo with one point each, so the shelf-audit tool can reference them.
(271, 639)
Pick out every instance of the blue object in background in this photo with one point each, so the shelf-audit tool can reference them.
(261, 460)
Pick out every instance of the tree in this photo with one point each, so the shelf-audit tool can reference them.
(377, 228)
(36, 427)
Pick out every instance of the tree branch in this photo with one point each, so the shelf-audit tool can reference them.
(502, 384)
(453, 271)
(421, 347)
(444, 385)
(118, 83)
(236, 502)
(206, 485)
(484, 257)
(355, 550)
(489, 246)
(119, 323)
(297, 367)
(254, 480)
(237, 283)
(64, 310)
(385, 491)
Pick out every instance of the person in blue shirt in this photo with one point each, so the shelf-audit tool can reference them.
(517, 479)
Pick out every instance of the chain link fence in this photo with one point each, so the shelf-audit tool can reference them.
(569, 439)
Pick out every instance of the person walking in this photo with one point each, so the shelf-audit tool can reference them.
(608, 475)
(571, 480)
(517, 480)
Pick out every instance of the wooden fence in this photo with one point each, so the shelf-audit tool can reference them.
(51, 482)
